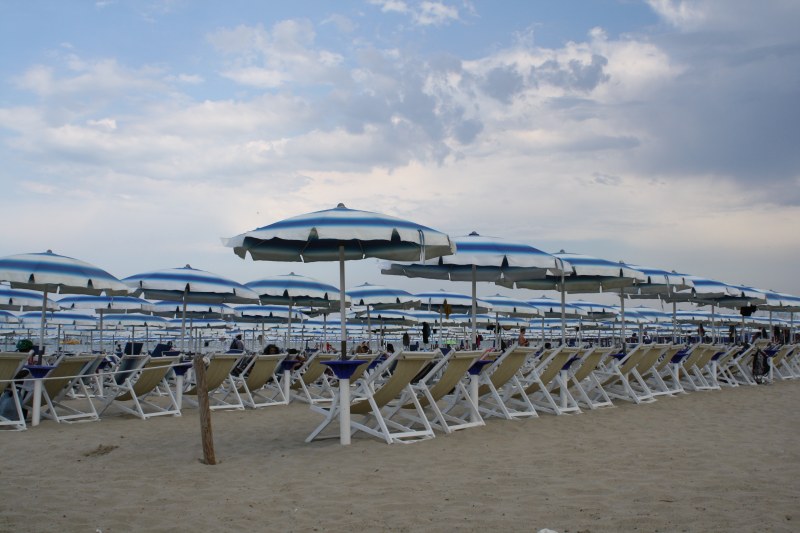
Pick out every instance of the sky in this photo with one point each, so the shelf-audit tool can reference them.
(136, 134)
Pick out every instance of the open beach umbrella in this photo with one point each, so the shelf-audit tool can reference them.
(447, 302)
(583, 274)
(189, 284)
(103, 304)
(134, 320)
(480, 258)
(378, 297)
(52, 273)
(269, 314)
(23, 300)
(341, 234)
(295, 290)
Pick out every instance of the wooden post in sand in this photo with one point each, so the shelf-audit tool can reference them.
(205, 412)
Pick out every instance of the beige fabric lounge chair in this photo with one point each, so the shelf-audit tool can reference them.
(444, 396)
(374, 404)
(129, 389)
(621, 380)
(543, 378)
(10, 364)
(257, 383)
(218, 373)
(500, 382)
(58, 385)
(310, 383)
(581, 378)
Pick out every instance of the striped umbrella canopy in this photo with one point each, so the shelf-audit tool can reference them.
(23, 300)
(102, 304)
(450, 302)
(7, 317)
(659, 282)
(380, 297)
(341, 234)
(189, 284)
(52, 273)
(584, 273)
(136, 320)
(105, 303)
(274, 314)
(551, 308)
(173, 309)
(292, 290)
(505, 305)
(481, 258)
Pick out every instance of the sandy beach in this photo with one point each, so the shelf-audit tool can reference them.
(712, 461)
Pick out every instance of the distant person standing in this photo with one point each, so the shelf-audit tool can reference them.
(238, 343)
(406, 341)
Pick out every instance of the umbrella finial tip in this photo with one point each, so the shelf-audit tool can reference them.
(474, 234)
(188, 266)
(340, 205)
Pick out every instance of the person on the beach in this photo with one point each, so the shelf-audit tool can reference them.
(521, 340)
(271, 349)
(237, 343)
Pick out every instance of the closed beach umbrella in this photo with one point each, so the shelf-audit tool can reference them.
(52, 273)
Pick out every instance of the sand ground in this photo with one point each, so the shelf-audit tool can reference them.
(707, 461)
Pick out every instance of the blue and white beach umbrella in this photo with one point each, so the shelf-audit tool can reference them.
(341, 234)
(378, 297)
(295, 290)
(583, 273)
(480, 258)
(23, 300)
(103, 304)
(53, 273)
(189, 284)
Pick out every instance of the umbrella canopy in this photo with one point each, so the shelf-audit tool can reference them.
(105, 303)
(172, 309)
(135, 320)
(480, 258)
(267, 313)
(380, 297)
(23, 300)
(53, 273)
(294, 289)
(450, 302)
(189, 284)
(341, 234)
(49, 272)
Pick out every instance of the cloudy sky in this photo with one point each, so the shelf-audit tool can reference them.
(135, 134)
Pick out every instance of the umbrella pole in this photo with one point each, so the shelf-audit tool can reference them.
(183, 323)
(771, 329)
(542, 330)
(369, 329)
(100, 340)
(41, 330)
(342, 312)
(675, 322)
(289, 326)
(563, 305)
(474, 306)
(622, 315)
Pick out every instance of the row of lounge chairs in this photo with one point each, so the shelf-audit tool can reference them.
(400, 397)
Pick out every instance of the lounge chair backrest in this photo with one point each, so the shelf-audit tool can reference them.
(65, 372)
(262, 367)
(127, 366)
(633, 357)
(152, 373)
(10, 363)
(314, 368)
(219, 368)
(651, 357)
(668, 355)
(360, 369)
(456, 367)
(408, 365)
(509, 364)
(591, 361)
(554, 366)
